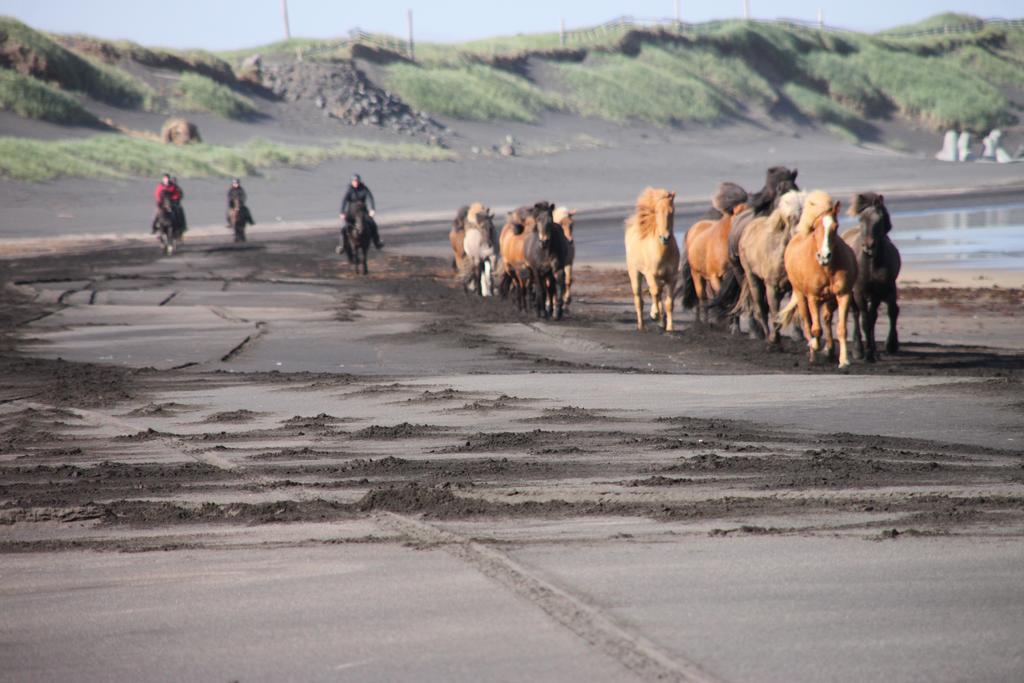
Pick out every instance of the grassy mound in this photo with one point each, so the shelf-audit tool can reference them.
(199, 93)
(471, 91)
(32, 53)
(33, 99)
(118, 156)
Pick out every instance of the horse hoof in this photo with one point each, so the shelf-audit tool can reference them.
(892, 348)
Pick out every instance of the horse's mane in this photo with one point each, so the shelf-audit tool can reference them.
(762, 200)
(817, 203)
(788, 210)
(460, 218)
(474, 210)
(645, 218)
(728, 196)
(870, 200)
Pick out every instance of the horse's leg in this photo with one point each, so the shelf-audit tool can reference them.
(366, 251)
(561, 291)
(638, 299)
(826, 325)
(668, 292)
(870, 319)
(698, 287)
(857, 312)
(844, 309)
(655, 289)
(814, 332)
(892, 342)
(760, 305)
(773, 297)
(539, 294)
(567, 296)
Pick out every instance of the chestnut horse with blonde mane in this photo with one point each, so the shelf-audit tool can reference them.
(651, 251)
(822, 270)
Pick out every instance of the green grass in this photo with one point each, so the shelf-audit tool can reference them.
(199, 93)
(68, 69)
(117, 156)
(846, 83)
(472, 91)
(732, 76)
(935, 21)
(996, 68)
(33, 99)
(821, 108)
(935, 90)
(620, 88)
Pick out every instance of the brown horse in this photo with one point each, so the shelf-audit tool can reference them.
(652, 251)
(878, 266)
(822, 270)
(566, 219)
(762, 254)
(515, 272)
(707, 259)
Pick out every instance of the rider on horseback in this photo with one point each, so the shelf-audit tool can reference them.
(169, 189)
(358, 193)
(237, 197)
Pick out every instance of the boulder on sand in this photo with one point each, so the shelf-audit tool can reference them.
(179, 131)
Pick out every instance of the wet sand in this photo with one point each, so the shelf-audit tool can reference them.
(255, 457)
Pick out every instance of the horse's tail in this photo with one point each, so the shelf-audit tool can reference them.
(728, 295)
(687, 290)
(787, 314)
(745, 301)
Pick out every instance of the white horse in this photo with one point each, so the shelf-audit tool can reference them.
(480, 256)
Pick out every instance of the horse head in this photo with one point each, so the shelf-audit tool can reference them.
(664, 217)
(875, 224)
(543, 213)
(827, 224)
(564, 218)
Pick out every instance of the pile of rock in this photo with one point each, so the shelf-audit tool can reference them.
(344, 92)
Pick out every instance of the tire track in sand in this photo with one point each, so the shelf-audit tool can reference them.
(631, 650)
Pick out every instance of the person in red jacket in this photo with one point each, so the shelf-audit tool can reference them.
(169, 188)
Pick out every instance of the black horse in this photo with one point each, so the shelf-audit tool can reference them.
(238, 218)
(356, 235)
(166, 225)
(878, 265)
(546, 251)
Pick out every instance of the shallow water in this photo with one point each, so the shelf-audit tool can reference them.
(976, 237)
(965, 237)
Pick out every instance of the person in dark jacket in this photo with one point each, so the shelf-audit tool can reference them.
(358, 192)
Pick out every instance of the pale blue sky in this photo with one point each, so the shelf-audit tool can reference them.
(227, 24)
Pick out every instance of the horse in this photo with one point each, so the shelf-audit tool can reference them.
(515, 271)
(822, 270)
(238, 218)
(778, 181)
(652, 251)
(456, 236)
(476, 266)
(166, 226)
(545, 249)
(565, 218)
(358, 235)
(878, 265)
(762, 255)
(706, 256)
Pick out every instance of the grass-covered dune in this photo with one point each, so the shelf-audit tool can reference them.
(120, 156)
(841, 80)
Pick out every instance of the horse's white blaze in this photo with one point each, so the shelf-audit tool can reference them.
(825, 252)
(485, 279)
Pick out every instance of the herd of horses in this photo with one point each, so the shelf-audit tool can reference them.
(744, 255)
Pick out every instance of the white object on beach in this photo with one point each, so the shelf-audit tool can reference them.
(948, 151)
(963, 147)
(991, 142)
